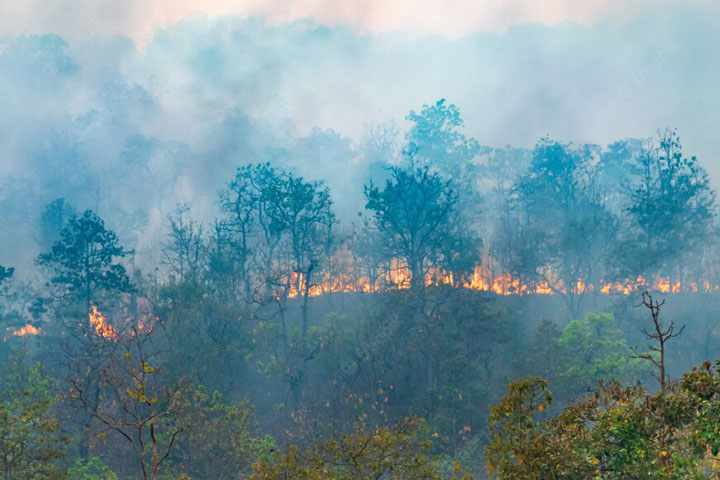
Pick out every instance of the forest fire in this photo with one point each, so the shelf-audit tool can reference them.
(26, 330)
(482, 279)
(103, 329)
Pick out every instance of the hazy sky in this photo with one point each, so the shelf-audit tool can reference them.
(178, 93)
(140, 18)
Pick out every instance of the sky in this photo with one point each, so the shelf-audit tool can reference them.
(143, 103)
(139, 19)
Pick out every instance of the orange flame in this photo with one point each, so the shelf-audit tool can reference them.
(397, 277)
(102, 328)
(26, 330)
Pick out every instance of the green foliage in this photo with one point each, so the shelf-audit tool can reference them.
(90, 469)
(31, 445)
(412, 213)
(399, 452)
(598, 351)
(671, 211)
(84, 259)
(220, 440)
(435, 139)
(566, 223)
(615, 433)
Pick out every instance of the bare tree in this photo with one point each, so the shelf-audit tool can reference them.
(661, 336)
(134, 401)
(184, 251)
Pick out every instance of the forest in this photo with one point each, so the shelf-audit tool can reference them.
(502, 313)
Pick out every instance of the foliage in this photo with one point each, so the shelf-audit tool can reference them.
(671, 210)
(435, 139)
(397, 452)
(412, 213)
(616, 432)
(221, 440)
(133, 400)
(91, 469)
(598, 351)
(566, 220)
(84, 259)
(31, 445)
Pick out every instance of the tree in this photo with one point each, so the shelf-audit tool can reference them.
(279, 226)
(244, 240)
(598, 351)
(221, 441)
(397, 452)
(302, 212)
(184, 252)
(134, 401)
(90, 469)
(282, 228)
(31, 445)
(436, 142)
(508, 246)
(83, 261)
(53, 219)
(661, 335)
(518, 446)
(671, 211)
(413, 213)
(566, 221)
(615, 432)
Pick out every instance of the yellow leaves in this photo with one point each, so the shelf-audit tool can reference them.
(595, 461)
(663, 453)
(102, 436)
(127, 355)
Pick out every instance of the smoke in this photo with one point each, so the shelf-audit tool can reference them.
(130, 131)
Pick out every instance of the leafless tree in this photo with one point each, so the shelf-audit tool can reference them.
(660, 336)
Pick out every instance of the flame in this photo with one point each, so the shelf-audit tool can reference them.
(102, 328)
(395, 276)
(26, 330)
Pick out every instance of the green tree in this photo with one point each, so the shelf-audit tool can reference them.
(565, 221)
(436, 140)
(597, 351)
(84, 260)
(31, 445)
(278, 230)
(671, 211)
(401, 451)
(221, 441)
(90, 469)
(413, 213)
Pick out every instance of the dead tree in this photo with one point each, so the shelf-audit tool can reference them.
(660, 336)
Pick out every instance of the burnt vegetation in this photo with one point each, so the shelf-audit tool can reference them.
(277, 338)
